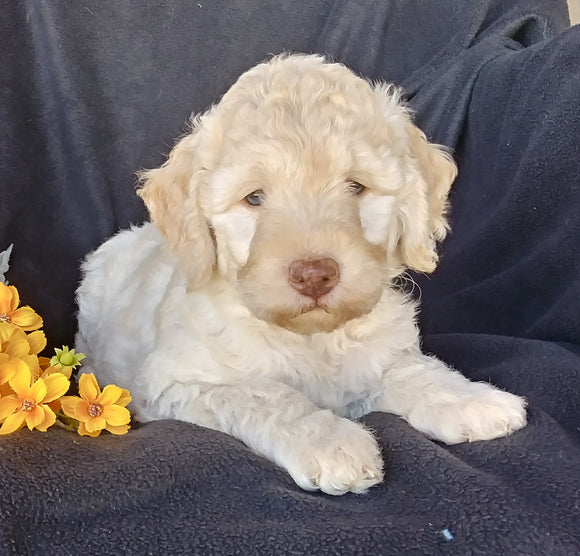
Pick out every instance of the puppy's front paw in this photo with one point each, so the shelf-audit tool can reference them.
(345, 457)
(485, 414)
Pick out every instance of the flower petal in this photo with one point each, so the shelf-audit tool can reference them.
(95, 424)
(43, 362)
(6, 372)
(36, 341)
(32, 362)
(84, 432)
(9, 298)
(125, 398)
(48, 420)
(110, 395)
(9, 366)
(34, 417)
(38, 390)
(20, 382)
(5, 390)
(66, 371)
(70, 407)
(56, 386)
(8, 405)
(6, 330)
(47, 371)
(83, 411)
(116, 415)
(51, 369)
(123, 429)
(26, 318)
(16, 341)
(13, 423)
(89, 387)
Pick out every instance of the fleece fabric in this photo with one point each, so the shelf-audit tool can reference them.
(94, 91)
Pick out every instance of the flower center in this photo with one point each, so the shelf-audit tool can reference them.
(5, 317)
(95, 409)
(27, 406)
(66, 359)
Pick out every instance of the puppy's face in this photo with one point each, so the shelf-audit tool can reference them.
(296, 230)
(307, 189)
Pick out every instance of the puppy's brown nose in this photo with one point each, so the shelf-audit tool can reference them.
(314, 278)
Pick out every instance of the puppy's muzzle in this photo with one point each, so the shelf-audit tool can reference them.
(314, 278)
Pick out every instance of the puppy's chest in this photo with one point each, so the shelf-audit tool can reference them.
(333, 371)
(346, 382)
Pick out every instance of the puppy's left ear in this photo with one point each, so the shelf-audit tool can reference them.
(172, 194)
(421, 214)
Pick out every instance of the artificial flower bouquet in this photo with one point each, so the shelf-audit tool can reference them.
(33, 388)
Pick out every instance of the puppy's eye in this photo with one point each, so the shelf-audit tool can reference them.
(255, 198)
(355, 187)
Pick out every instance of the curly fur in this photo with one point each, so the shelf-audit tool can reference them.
(194, 312)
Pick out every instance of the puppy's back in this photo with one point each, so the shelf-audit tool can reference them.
(123, 283)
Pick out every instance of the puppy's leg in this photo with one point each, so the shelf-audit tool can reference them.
(319, 449)
(445, 405)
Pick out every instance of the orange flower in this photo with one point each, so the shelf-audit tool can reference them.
(96, 410)
(24, 317)
(28, 404)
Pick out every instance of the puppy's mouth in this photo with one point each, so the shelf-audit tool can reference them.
(318, 315)
(311, 319)
(313, 306)
(315, 315)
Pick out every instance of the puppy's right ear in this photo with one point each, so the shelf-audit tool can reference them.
(172, 196)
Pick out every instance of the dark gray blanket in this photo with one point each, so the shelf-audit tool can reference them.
(93, 91)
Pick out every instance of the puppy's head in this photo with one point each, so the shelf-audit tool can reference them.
(308, 189)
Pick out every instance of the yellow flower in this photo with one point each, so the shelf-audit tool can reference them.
(28, 406)
(96, 410)
(16, 343)
(24, 317)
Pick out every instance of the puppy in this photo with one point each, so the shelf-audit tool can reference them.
(260, 300)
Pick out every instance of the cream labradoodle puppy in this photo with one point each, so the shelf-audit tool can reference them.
(260, 300)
